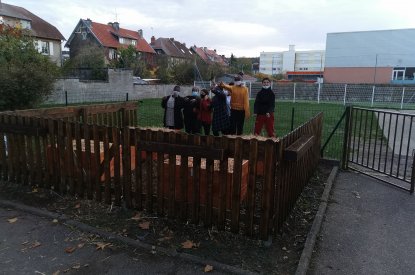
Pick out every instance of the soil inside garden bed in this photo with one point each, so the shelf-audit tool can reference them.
(279, 257)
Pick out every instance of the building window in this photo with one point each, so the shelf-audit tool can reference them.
(122, 40)
(44, 47)
(134, 42)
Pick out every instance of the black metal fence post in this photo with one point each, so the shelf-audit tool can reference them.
(346, 138)
(126, 97)
(66, 98)
(413, 173)
(292, 118)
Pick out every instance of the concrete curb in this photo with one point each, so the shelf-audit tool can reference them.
(304, 262)
(111, 236)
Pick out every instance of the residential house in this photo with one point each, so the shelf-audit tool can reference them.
(371, 57)
(175, 51)
(47, 38)
(209, 56)
(110, 37)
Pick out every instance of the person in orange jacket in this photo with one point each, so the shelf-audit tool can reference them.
(239, 105)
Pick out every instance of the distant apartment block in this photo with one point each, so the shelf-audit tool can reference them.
(304, 65)
(378, 57)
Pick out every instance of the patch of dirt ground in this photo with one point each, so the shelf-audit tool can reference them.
(280, 257)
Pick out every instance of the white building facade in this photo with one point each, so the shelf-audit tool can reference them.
(292, 62)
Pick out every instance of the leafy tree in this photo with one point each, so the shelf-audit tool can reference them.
(26, 76)
(130, 58)
(163, 72)
(91, 60)
(183, 73)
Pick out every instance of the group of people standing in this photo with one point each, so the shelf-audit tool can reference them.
(224, 114)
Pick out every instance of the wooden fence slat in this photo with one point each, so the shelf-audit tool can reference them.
(38, 167)
(209, 185)
(196, 183)
(46, 152)
(117, 161)
(138, 171)
(97, 164)
(107, 170)
(223, 186)
(253, 160)
(172, 177)
(268, 190)
(160, 176)
(70, 157)
(88, 164)
(62, 156)
(21, 157)
(184, 179)
(3, 157)
(236, 185)
(30, 164)
(149, 174)
(79, 161)
(126, 166)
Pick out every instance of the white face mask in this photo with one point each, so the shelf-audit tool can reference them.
(238, 83)
(266, 87)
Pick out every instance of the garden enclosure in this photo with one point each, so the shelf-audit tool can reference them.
(243, 184)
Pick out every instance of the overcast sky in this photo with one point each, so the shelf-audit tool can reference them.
(243, 27)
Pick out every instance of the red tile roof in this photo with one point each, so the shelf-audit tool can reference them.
(209, 56)
(172, 47)
(108, 37)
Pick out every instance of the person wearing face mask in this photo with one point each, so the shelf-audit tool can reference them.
(239, 105)
(264, 106)
(191, 111)
(220, 117)
(173, 106)
(205, 113)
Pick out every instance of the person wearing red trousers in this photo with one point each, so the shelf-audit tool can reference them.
(264, 106)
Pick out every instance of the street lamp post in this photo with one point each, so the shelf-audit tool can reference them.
(376, 65)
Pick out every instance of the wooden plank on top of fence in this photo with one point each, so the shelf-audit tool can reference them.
(97, 164)
(196, 182)
(236, 185)
(107, 169)
(184, 179)
(223, 185)
(160, 175)
(253, 163)
(268, 190)
(209, 184)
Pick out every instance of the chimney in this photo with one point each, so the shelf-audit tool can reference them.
(115, 25)
(88, 22)
(291, 48)
(214, 50)
(172, 38)
(153, 39)
(205, 49)
(140, 33)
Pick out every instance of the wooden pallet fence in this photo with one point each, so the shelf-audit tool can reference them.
(242, 184)
(293, 173)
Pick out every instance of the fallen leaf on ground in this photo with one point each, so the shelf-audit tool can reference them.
(34, 190)
(70, 249)
(188, 244)
(81, 245)
(208, 268)
(13, 220)
(165, 238)
(77, 266)
(26, 242)
(137, 217)
(78, 205)
(356, 194)
(36, 244)
(55, 221)
(56, 272)
(144, 225)
(102, 245)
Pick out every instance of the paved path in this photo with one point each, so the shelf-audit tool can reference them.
(401, 124)
(35, 245)
(369, 228)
